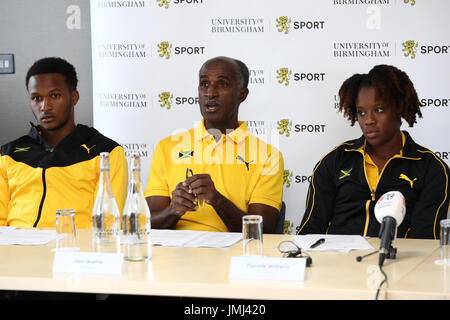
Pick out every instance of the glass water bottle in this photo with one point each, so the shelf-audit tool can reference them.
(136, 217)
(105, 214)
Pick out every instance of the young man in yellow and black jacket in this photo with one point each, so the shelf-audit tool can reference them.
(55, 166)
(349, 180)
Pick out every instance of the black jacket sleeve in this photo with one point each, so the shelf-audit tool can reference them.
(320, 199)
(433, 202)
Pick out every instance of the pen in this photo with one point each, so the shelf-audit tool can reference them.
(318, 242)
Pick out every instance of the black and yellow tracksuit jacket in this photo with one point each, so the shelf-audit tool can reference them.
(36, 179)
(340, 200)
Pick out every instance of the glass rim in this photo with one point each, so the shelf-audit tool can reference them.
(252, 218)
(65, 212)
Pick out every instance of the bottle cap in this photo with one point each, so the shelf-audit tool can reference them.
(104, 161)
(135, 160)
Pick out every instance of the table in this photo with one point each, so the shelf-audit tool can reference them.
(203, 272)
(426, 281)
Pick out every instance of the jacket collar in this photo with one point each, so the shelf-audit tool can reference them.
(237, 135)
(77, 137)
(409, 149)
(35, 133)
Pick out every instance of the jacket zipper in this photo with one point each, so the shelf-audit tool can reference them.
(44, 184)
(372, 194)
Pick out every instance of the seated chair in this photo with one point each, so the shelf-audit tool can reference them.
(279, 227)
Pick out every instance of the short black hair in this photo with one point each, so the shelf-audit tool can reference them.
(244, 73)
(392, 86)
(54, 65)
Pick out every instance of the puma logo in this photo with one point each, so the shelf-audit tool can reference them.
(404, 177)
(246, 163)
(87, 148)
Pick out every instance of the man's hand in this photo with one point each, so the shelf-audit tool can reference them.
(202, 187)
(166, 212)
(182, 199)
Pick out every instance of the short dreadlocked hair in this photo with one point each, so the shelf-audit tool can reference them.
(392, 86)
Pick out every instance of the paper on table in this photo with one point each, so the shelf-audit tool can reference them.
(6, 229)
(333, 242)
(170, 238)
(215, 239)
(189, 238)
(26, 237)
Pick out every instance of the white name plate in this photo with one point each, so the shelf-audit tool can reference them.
(256, 268)
(88, 263)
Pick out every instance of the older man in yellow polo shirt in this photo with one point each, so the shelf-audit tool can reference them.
(207, 178)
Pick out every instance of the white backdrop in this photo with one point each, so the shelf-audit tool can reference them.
(147, 54)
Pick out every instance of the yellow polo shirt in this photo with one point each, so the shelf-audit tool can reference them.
(244, 169)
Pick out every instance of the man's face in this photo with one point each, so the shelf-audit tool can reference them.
(379, 123)
(220, 94)
(52, 101)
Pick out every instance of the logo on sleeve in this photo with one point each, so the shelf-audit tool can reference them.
(345, 173)
(21, 149)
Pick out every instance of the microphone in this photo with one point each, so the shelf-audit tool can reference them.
(390, 212)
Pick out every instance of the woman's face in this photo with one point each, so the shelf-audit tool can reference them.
(379, 122)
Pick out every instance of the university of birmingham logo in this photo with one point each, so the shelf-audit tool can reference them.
(284, 127)
(413, 2)
(165, 99)
(164, 49)
(163, 3)
(284, 76)
(283, 24)
(288, 225)
(287, 178)
(410, 48)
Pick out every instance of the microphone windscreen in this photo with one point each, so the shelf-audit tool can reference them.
(391, 204)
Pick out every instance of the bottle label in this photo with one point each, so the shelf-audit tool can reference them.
(141, 237)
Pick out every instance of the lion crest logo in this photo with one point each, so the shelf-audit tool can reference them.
(284, 76)
(410, 48)
(165, 99)
(287, 178)
(284, 127)
(163, 3)
(164, 49)
(283, 24)
(413, 2)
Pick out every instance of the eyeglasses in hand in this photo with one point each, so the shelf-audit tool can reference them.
(199, 202)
